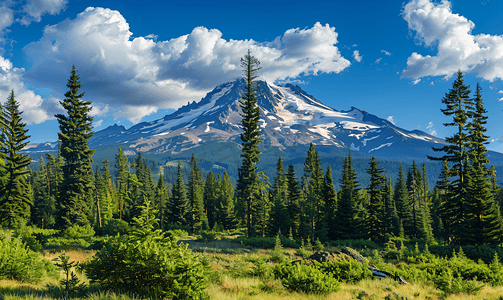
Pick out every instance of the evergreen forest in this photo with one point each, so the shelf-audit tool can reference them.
(134, 220)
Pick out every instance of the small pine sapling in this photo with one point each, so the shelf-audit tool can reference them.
(71, 282)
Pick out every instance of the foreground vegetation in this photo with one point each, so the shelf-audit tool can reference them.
(151, 264)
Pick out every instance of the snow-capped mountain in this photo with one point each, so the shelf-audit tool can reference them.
(288, 117)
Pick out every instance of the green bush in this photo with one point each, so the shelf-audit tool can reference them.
(113, 227)
(20, 263)
(346, 271)
(303, 251)
(207, 236)
(450, 284)
(148, 262)
(307, 279)
(277, 255)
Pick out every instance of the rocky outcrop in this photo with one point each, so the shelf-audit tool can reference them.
(348, 253)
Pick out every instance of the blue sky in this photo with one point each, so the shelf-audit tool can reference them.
(141, 60)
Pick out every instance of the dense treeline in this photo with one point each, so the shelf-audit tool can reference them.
(464, 207)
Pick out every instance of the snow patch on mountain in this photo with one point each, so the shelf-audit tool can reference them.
(194, 113)
(364, 142)
(383, 145)
(208, 126)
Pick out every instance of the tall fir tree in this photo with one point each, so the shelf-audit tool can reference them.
(348, 196)
(482, 223)
(414, 189)
(43, 209)
(293, 199)
(75, 199)
(122, 175)
(402, 203)
(330, 210)
(161, 200)
(248, 179)
(210, 198)
(178, 206)
(459, 105)
(15, 193)
(313, 204)
(198, 218)
(374, 227)
(226, 211)
(391, 221)
(477, 137)
(279, 217)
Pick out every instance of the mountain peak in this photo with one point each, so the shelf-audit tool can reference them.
(288, 117)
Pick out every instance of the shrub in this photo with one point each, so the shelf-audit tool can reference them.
(149, 262)
(70, 283)
(303, 251)
(20, 263)
(207, 236)
(450, 284)
(346, 271)
(277, 255)
(303, 278)
(113, 227)
(76, 231)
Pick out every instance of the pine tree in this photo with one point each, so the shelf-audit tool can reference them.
(122, 176)
(391, 221)
(293, 199)
(226, 208)
(76, 129)
(198, 218)
(374, 227)
(312, 182)
(477, 137)
(178, 205)
(457, 102)
(348, 197)
(482, 221)
(161, 200)
(43, 209)
(280, 220)
(210, 198)
(103, 195)
(330, 196)
(414, 183)
(247, 183)
(15, 193)
(112, 206)
(402, 203)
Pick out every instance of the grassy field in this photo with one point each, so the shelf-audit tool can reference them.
(234, 273)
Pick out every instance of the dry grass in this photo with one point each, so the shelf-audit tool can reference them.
(77, 255)
(228, 266)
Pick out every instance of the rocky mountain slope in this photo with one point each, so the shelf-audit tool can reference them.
(290, 120)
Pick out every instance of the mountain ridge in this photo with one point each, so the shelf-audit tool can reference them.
(289, 117)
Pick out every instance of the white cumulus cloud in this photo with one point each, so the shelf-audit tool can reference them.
(390, 119)
(35, 108)
(134, 77)
(385, 52)
(33, 10)
(436, 26)
(357, 56)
